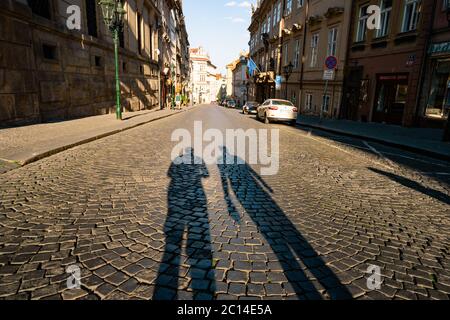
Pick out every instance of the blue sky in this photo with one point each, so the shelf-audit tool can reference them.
(219, 26)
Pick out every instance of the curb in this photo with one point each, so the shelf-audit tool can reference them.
(421, 151)
(94, 138)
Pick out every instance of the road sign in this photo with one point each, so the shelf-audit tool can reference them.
(278, 83)
(328, 75)
(331, 62)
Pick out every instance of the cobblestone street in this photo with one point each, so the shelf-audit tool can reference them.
(141, 227)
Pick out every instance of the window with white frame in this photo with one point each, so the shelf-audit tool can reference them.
(314, 49)
(299, 4)
(386, 8)
(274, 14)
(411, 15)
(332, 41)
(279, 11)
(308, 101)
(362, 23)
(297, 54)
(288, 7)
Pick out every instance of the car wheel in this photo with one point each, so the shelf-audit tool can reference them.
(266, 119)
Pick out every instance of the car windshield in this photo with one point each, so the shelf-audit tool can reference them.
(282, 103)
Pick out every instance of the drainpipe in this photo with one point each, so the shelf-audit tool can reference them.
(343, 108)
(423, 66)
(302, 68)
(280, 43)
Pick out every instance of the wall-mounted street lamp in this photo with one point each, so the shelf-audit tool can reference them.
(287, 74)
(113, 14)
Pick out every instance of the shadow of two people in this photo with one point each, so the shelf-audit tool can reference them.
(187, 213)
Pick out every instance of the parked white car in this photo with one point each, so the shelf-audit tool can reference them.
(277, 110)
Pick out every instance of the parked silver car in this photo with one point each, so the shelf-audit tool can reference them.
(277, 110)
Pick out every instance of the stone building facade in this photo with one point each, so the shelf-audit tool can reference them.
(204, 78)
(301, 33)
(385, 66)
(48, 72)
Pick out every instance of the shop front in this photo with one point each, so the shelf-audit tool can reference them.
(390, 98)
(437, 95)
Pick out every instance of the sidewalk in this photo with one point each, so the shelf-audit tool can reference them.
(27, 144)
(420, 140)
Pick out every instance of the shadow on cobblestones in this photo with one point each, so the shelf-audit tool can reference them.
(440, 196)
(187, 219)
(286, 242)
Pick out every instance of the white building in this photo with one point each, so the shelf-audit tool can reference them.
(204, 77)
(237, 78)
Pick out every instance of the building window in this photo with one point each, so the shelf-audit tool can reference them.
(288, 7)
(40, 8)
(91, 17)
(49, 52)
(297, 54)
(411, 14)
(309, 101)
(314, 49)
(386, 8)
(362, 24)
(279, 12)
(299, 4)
(438, 105)
(286, 54)
(332, 41)
(121, 39)
(139, 32)
(98, 61)
(326, 103)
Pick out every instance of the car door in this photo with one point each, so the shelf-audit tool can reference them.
(264, 108)
(261, 110)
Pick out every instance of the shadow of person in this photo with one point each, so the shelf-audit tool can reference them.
(285, 240)
(187, 215)
(438, 195)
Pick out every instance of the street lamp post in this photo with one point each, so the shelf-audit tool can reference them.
(172, 68)
(247, 85)
(287, 74)
(113, 14)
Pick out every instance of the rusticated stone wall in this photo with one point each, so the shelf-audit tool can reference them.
(78, 78)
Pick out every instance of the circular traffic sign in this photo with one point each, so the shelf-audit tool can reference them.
(331, 62)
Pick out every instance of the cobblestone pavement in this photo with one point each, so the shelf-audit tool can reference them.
(141, 227)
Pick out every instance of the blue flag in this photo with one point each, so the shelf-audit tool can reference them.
(251, 66)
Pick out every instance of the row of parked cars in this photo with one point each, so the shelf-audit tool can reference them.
(270, 111)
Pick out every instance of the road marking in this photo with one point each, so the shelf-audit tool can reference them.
(380, 155)
(310, 136)
(436, 173)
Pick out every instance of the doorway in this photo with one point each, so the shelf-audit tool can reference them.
(390, 98)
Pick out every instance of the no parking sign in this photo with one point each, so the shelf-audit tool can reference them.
(331, 62)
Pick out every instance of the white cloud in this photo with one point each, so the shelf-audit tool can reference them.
(231, 4)
(245, 4)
